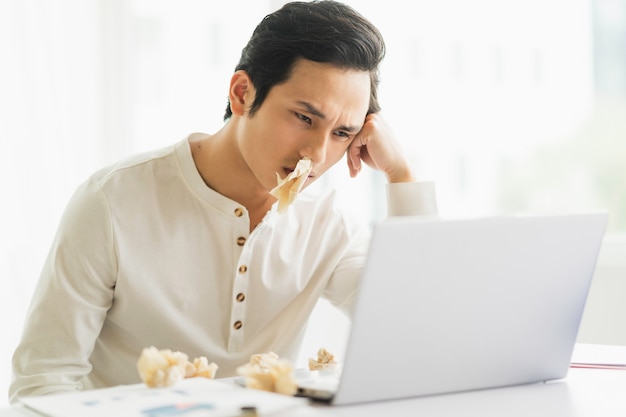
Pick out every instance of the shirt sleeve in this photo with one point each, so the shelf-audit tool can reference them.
(70, 301)
(403, 199)
(411, 199)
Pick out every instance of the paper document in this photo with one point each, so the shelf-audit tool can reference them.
(599, 356)
(193, 397)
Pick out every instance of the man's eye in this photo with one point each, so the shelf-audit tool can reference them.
(342, 134)
(304, 118)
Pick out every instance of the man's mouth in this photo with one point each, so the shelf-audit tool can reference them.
(287, 171)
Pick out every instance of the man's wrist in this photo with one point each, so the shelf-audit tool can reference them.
(401, 175)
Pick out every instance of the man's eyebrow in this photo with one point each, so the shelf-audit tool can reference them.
(316, 112)
(312, 109)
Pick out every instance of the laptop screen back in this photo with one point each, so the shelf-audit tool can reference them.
(455, 305)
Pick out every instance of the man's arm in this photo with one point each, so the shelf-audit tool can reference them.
(376, 146)
(70, 302)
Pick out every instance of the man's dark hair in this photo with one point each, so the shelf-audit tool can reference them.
(322, 31)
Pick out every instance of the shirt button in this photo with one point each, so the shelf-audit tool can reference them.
(237, 325)
(240, 297)
(243, 269)
(241, 240)
(238, 212)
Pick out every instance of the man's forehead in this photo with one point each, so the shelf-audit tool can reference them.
(314, 84)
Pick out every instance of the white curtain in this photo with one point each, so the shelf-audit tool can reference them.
(51, 132)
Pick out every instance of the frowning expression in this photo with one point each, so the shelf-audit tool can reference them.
(316, 113)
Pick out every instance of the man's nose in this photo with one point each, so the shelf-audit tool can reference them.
(315, 149)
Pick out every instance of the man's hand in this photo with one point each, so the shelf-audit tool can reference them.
(377, 147)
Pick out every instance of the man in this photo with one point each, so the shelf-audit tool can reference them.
(183, 248)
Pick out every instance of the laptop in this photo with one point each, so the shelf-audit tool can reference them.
(464, 304)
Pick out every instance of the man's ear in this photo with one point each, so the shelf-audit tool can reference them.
(241, 93)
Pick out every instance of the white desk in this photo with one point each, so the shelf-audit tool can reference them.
(584, 393)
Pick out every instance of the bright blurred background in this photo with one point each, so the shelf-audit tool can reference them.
(516, 106)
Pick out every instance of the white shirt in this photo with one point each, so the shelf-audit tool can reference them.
(147, 255)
